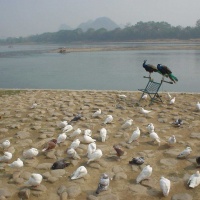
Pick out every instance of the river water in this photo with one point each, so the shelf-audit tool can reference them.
(33, 67)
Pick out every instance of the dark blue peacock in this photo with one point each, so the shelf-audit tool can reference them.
(149, 68)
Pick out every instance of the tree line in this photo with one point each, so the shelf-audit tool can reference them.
(139, 31)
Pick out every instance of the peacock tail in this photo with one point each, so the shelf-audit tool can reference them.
(173, 78)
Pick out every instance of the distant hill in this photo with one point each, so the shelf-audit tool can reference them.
(64, 27)
(102, 22)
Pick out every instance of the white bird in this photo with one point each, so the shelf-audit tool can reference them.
(75, 144)
(5, 144)
(108, 119)
(122, 96)
(61, 138)
(150, 127)
(76, 133)
(97, 113)
(67, 128)
(62, 124)
(95, 155)
(172, 140)
(73, 154)
(88, 132)
(34, 105)
(103, 133)
(34, 180)
(127, 124)
(198, 106)
(79, 173)
(91, 148)
(143, 111)
(17, 163)
(30, 153)
(103, 183)
(194, 180)
(88, 139)
(155, 138)
(172, 101)
(169, 96)
(186, 152)
(165, 185)
(135, 135)
(6, 157)
(144, 174)
(144, 96)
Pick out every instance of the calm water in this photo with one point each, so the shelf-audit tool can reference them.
(30, 66)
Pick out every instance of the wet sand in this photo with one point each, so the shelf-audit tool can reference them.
(27, 128)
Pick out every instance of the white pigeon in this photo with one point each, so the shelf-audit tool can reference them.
(6, 157)
(103, 183)
(165, 185)
(143, 111)
(150, 127)
(34, 105)
(144, 174)
(61, 138)
(108, 119)
(5, 144)
(76, 133)
(88, 139)
(79, 173)
(127, 124)
(75, 144)
(172, 101)
(144, 96)
(155, 138)
(103, 133)
(95, 155)
(91, 148)
(186, 152)
(62, 124)
(169, 96)
(172, 140)
(88, 132)
(122, 96)
(194, 180)
(135, 135)
(73, 154)
(17, 163)
(34, 180)
(67, 128)
(30, 153)
(198, 106)
(97, 113)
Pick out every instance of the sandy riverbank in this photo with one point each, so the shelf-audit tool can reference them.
(26, 128)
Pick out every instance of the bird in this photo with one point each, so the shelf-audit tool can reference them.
(135, 135)
(155, 138)
(88, 132)
(172, 101)
(144, 174)
(50, 145)
(165, 185)
(127, 124)
(178, 122)
(79, 173)
(16, 164)
(103, 133)
(137, 161)
(169, 96)
(144, 96)
(30, 153)
(75, 144)
(165, 71)
(88, 139)
(91, 148)
(172, 140)
(97, 113)
(198, 106)
(62, 124)
(61, 138)
(109, 119)
(61, 164)
(198, 161)
(122, 96)
(6, 157)
(67, 128)
(34, 180)
(75, 133)
(143, 111)
(150, 127)
(94, 156)
(119, 150)
(5, 144)
(186, 152)
(194, 180)
(76, 118)
(149, 68)
(72, 153)
(34, 105)
(103, 183)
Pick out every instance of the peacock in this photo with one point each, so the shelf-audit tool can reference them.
(149, 68)
(165, 71)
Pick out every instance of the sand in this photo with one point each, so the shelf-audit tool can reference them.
(27, 128)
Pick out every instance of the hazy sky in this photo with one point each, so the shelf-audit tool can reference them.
(29, 17)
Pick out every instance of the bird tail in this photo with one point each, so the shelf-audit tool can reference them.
(173, 78)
